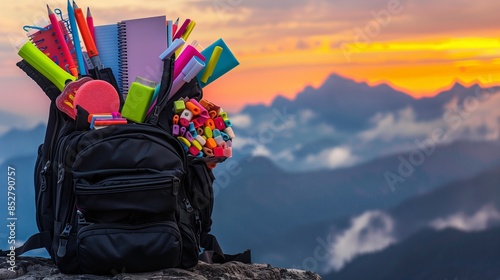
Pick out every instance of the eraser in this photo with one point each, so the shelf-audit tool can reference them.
(193, 108)
(197, 144)
(228, 152)
(189, 136)
(194, 151)
(200, 131)
(138, 100)
(179, 106)
(216, 133)
(207, 151)
(229, 131)
(208, 132)
(223, 115)
(186, 114)
(218, 152)
(197, 122)
(219, 141)
(200, 140)
(182, 131)
(175, 130)
(225, 136)
(211, 143)
(184, 123)
(184, 141)
(191, 128)
(219, 123)
(210, 123)
(203, 112)
(213, 114)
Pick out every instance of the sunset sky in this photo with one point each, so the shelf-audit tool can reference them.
(418, 46)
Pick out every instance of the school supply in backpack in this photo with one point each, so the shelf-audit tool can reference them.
(117, 189)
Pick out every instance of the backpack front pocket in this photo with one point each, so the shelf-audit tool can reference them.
(113, 248)
(129, 199)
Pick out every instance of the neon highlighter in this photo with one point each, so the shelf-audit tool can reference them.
(62, 42)
(43, 64)
(87, 37)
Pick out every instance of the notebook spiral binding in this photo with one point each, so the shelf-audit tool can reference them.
(123, 62)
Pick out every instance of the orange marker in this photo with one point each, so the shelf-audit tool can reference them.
(87, 37)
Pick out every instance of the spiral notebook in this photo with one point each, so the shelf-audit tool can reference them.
(106, 40)
(131, 48)
(140, 43)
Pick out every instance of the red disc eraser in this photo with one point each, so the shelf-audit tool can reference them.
(97, 97)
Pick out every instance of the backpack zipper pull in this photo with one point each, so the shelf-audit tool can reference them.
(63, 241)
(189, 207)
(81, 218)
(176, 182)
(60, 173)
(43, 186)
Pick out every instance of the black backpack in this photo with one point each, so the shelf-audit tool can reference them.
(125, 198)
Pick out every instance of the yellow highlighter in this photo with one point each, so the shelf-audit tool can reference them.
(186, 34)
(209, 69)
(43, 64)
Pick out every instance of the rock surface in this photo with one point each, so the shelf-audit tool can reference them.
(40, 268)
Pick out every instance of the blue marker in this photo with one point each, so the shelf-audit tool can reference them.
(76, 39)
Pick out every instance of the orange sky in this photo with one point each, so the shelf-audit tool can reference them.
(419, 47)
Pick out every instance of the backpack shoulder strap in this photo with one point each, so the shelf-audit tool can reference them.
(36, 241)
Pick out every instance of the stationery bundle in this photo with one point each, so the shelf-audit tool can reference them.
(124, 176)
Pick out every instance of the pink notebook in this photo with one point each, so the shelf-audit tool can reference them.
(140, 43)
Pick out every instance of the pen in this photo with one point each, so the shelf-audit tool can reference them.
(87, 37)
(62, 42)
(76, 39)
(182, 29)
(90, 23)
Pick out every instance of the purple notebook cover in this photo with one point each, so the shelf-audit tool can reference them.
(141, 41)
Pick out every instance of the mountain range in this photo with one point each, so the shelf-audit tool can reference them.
(343, 123)
(341, 172)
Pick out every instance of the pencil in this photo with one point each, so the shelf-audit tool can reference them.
(90, 23)
(174, 27)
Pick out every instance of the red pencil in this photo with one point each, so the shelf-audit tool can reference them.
(174, 27)
(90, 23)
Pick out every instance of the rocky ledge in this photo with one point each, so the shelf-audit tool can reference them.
(40, 268)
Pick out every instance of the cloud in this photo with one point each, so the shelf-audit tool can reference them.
(332, 158)
(261, 150)
(369, 232)
(241, 120)
(388, 126)
(476, 118)
(477, 221)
